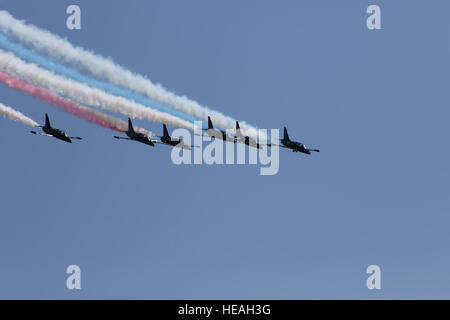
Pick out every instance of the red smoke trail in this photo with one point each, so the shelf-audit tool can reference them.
(80, 111)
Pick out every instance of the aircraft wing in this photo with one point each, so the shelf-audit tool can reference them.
(276, 145)
(157, 141)
(180, 145)
(201, 135)
(122, 138)
(227, 137)
(251, 142)
(160, 142)
(41, 133)
(185, 146)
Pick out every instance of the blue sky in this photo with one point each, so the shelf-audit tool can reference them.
(374, 102)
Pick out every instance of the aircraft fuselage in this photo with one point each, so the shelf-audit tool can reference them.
(169, 141)
(56, 133)
(218, 134)
(139, 137)
(247, 141)
(295, 146)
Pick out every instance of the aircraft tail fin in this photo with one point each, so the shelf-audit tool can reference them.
(237, 126)
(130, 126)
(286, 136)
(165, 132)
(47, 121)
(210, 125)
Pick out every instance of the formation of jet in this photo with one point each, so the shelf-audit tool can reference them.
(136, 136)
(295, 146)
(49, 131)
(239, 137)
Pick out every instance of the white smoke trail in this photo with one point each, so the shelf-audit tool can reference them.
(15, 115)
(84, 94)
(105, 68)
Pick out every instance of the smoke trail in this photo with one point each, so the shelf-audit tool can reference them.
(15, 115)
(83, 93)
(80, 111)
(72, 74)
(104, 68)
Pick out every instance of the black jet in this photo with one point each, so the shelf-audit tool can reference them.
(168, 140)
(241, 138)
(49, 131)
(216, 133)
(136, 136)
(294, 145)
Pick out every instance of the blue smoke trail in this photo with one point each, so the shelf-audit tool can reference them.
(31, 56)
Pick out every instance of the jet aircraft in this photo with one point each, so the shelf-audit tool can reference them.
(168, 140)
(49, 131)
(241, 138)
(136, 136)
(216, 133)
(295, 146)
